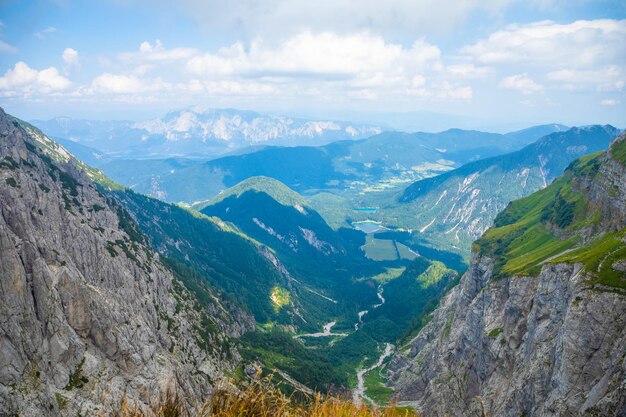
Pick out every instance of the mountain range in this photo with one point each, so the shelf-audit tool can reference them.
(307, 265)
(197, 133)
(387, 160)
(453, 209)
(107, 286)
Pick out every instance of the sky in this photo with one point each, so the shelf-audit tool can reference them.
(466, 63)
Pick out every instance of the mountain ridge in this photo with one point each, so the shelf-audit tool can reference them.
(386, 159)
(536, 325)
(456, 207)
(199, 133)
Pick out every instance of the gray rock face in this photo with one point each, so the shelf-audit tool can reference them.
(87, 311)
(535, 346)
(551, 345)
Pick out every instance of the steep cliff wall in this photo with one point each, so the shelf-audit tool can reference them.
(537, 326)
(87, 311)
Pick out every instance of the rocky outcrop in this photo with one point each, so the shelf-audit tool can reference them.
(546, 345)
(88, 314)
(535, 346)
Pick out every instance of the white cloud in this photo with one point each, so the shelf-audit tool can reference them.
(143, 69)
(26, 81)
(344, 67)
(611, 78)
(156, 53)
(583, 43)
(585, 55)
(70, 56)
(469, 71)
(609, 102)
(418, 81)
(356, 65)
(122, 84)
(70, 59)
(522, 83)
(320, 65)
(41, 35)
(318, 55)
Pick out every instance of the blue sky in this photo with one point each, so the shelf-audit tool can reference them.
(490, 63)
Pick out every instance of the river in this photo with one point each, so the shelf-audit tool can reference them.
(359, 393)
(362, 313)
(324, 333)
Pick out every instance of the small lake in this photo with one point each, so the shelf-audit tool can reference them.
(369, 226)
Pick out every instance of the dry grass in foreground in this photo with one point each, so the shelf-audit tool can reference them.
(260, 399)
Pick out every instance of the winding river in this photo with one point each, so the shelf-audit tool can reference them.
(358, 395)
(362, 313)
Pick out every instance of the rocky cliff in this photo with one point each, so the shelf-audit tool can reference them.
(536, 326)
(88, 313)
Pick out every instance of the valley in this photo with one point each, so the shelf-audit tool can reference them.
(359, 391)
(326, 290)
(342, 208)
(429, 188)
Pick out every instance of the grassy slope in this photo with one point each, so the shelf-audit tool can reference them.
(520, 240)
(598, 256)
(547, 227)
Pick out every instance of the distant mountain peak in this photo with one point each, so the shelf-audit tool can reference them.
(201, 132)
(235, 125)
